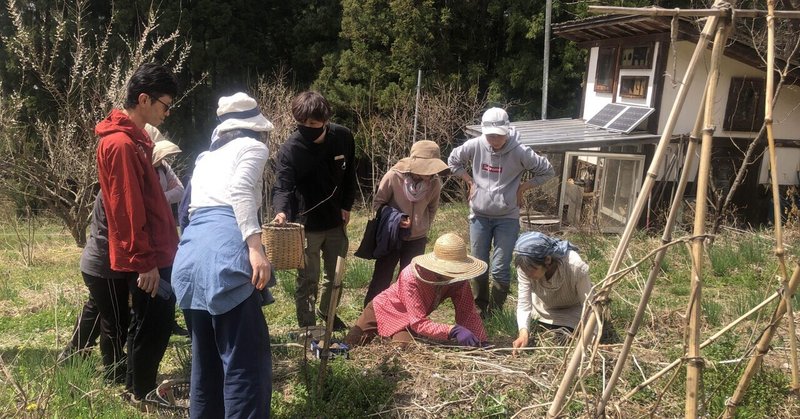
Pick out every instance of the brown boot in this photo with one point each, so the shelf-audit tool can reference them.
(499, 295)
(480, 291)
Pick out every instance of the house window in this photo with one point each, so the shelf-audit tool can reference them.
(745, 108)
(633, 86)
(635, 57)
(604, 75)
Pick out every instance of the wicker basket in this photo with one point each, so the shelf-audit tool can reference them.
(285, 244)
(169, 399)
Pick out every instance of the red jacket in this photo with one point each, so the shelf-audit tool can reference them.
(141, 231)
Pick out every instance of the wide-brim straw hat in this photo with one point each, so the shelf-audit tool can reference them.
(449, 258)
(425, 160)
(241, 111)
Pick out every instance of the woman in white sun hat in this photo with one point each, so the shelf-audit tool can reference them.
(163, 151)
(221, 268)
(401, 312)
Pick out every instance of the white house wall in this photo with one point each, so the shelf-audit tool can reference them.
(785, 115)
(595, 101)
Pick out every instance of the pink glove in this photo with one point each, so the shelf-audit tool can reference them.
(463, 336)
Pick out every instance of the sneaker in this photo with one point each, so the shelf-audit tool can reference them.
(179, 331)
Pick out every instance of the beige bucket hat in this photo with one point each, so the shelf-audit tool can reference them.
(425, 159)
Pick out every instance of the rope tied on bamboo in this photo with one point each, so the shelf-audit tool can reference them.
(698, 361)
(730, 12)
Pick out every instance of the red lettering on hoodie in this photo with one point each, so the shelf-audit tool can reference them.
(491, 169)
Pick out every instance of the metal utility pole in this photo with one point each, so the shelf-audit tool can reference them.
(416, 107)
(546, 61)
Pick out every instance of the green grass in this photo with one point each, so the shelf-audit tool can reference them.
(39, 302)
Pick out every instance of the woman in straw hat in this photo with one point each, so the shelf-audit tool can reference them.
(412, 187)
(553, 285)
(221, 267)
(401, 312)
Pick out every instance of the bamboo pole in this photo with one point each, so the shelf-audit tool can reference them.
(705, 343)
(587, 331)
(658, 11)
(694, 365)
(773, 170)
(677, 201)
(762, 347)
(325, 354)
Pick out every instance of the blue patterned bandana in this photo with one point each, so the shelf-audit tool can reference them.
(538, 246)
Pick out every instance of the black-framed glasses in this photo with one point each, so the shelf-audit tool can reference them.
(166, 106)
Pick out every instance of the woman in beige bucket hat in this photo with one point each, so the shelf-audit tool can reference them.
(401, 311)
(412, 186)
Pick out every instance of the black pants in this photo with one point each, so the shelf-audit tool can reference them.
(383, 273)
(87, 328)
(148, 334)
(108, 301)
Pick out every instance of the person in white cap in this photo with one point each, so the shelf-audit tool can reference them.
(221, 269)
(412, 186)
(492, 165)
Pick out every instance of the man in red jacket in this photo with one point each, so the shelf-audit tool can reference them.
(142, 237)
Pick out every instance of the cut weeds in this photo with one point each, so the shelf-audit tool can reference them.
(38, 305)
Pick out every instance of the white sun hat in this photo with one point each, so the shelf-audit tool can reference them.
(241, 111)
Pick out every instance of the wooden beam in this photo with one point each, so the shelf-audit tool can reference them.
(658, 11)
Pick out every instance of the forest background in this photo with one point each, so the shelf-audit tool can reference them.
(64, 63)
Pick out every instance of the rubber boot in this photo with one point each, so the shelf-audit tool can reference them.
(480, 291)
(499, 295)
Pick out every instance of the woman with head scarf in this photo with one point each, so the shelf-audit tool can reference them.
(412, 187)
(402, 311)
(553, 284)
(221, 268)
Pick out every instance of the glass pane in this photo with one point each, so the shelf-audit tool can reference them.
(618, 193)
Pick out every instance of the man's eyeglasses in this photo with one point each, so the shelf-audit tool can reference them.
(166, 106)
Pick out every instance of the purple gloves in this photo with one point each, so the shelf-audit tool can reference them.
(463, 336)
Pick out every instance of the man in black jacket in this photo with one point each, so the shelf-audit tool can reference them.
(316, 184)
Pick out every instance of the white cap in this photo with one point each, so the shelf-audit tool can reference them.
(495, 121)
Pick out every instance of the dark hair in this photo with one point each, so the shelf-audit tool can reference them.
(310, 105)
(526, 262)
(153, 80)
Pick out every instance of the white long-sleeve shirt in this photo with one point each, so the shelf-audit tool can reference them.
(231, 175)
(557, 300)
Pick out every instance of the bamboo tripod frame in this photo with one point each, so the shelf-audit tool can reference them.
(325, 354)
(585, 333)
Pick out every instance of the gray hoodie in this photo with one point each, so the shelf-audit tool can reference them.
(497, 174)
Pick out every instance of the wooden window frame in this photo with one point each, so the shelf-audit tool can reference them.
(606, 58)
(636, 57)
(634, 80)
(744, 111)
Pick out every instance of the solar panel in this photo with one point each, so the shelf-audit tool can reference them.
(606, 115)
(629, 119)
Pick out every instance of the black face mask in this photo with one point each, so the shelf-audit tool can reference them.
(310, 134)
